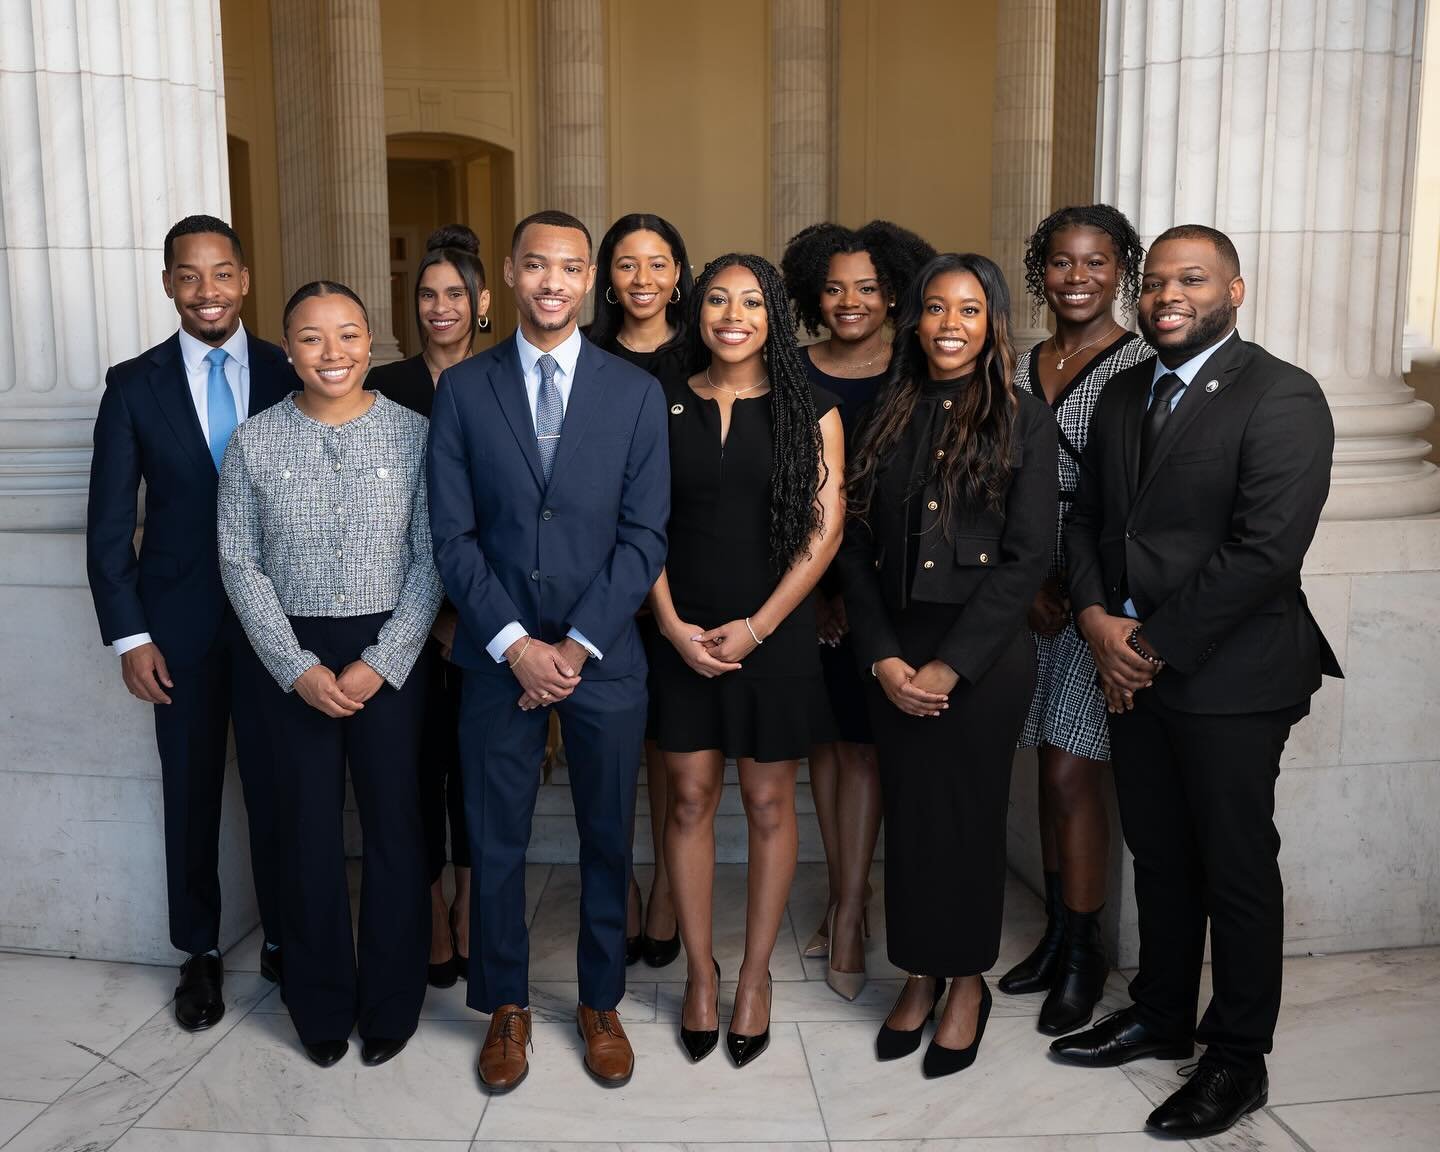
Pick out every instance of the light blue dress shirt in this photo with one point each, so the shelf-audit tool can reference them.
(566, 355)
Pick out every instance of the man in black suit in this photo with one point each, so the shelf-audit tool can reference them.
(1203, 481)
(165, 418)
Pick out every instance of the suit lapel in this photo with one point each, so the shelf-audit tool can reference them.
(1215, 375)
(508, 382)
(587, 394)
(267, 384)
(172, 392)
(1132, 415)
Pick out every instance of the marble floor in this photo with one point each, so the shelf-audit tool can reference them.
(91, 1058)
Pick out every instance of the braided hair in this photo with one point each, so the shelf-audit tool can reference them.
(1129, 252)
(896, 252)
(797, 467)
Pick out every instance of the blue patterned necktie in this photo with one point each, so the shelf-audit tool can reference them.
(549, 414)
(219, 406)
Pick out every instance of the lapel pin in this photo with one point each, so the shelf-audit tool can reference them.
(676, 409)
(1210, 387)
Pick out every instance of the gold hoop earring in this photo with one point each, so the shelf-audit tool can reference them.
(610, 297)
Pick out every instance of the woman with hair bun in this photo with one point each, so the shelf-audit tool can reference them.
(451, 310)
(846, 281)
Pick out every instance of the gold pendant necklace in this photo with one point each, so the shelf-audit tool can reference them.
(733, 391)
(1060, 360)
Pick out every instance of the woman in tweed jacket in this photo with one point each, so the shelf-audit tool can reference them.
(325, 555)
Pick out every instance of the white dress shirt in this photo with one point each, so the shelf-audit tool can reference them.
(197, 375)
(566, 355)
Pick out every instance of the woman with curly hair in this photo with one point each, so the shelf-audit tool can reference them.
(846, 281)
(1078, 263)
(951, 519)
(757, 462)
(643, 286)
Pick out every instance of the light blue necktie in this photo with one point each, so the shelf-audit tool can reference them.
(549, 414)
(219, 405)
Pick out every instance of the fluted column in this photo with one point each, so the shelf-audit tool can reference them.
(801, 126)
(112, 127)
(330, 147)
(1020, 151)
(1296, 136)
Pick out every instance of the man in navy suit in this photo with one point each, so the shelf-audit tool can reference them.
(549, 496)
(165, 418)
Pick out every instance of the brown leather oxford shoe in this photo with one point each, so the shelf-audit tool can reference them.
(503, 1063)
(608, 1056)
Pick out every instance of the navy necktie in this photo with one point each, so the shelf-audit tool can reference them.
(549, 414)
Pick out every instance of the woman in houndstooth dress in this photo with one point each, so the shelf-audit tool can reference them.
(1076, 263)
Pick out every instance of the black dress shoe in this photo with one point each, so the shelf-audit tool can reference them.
(1211, 1101)
(700, 1042)
(444, 974)
(1080, 980)
(658, 953)
(942, 1061)
(1117, 1039)
(327, 1052)
(1037, 971)
(272, 965)
(892, 1043)
(198, 1000)
(376, 1049)
(744, 1049)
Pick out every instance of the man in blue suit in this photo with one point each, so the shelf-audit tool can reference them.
(165, 418)
(549, 496)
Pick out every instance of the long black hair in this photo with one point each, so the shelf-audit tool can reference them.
(797, 464)
(610, 317)
(320, 288)
(458, 246)
(1129, 252)
(896, 252)
(980, 426)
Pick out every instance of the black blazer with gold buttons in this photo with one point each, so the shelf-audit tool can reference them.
(990, 561)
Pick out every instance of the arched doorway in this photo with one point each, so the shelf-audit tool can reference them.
(439, 178)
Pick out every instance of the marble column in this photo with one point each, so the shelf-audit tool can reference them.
(576, 166)
(1020, 151)
(330, 148)
(1294, 133)
(801, 128)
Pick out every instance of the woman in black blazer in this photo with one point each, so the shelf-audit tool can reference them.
(951, 520)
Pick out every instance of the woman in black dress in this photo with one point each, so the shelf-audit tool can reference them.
(643, 287)
(846, 281)
(757, 459)
(451, 302)
(952, 517)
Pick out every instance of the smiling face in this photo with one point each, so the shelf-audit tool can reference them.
(551, 272)
(954, 321)
(1081, 274)
(1188, 298)
(328, 341)
(444, 306)
(643, 273)
(733, 322)
(207, 282)
(853, 303)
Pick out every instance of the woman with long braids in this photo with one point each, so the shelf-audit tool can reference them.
(846, 281)
(1077, 263)
(643, 286)
(451, 306)
(951, 521)
(757, 460)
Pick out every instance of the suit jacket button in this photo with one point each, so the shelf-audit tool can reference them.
(929, 563)
(939, 453)
(877, 563)
(933, 505)
(948, 404)
(984, 558)
(547, 514)
(1130, 534)
(535, 575)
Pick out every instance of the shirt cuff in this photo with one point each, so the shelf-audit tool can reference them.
(503, 639)
(128, 643)
(575, 635)
(1129, 609)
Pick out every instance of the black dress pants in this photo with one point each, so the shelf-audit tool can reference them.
(191, 735)
(1197, 805)
(442, 792)
(327, 992)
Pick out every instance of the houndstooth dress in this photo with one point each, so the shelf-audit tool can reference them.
(1068, 710)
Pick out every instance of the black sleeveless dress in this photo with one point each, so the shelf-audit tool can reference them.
(774, 707)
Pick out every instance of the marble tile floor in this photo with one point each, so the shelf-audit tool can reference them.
(91, 1059)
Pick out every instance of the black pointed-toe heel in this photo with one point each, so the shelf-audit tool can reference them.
(444, 974)
(700, 1042)
(942, 1061)
(892, 1043)
(327, 1052)
(744, 1049)
(658, 953)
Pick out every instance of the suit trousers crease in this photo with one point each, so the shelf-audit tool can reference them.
(329, 989)
(191, 735)
(1197, 805)
(502, 748)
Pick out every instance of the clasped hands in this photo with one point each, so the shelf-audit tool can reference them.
(342, 695)
(548, 673)
(925, 692)
(1122, 670)
(715, 651)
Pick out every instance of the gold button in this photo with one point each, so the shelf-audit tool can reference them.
(929, 563)
(939, 453)
(948, 404)
(934, 504)
(984, 558)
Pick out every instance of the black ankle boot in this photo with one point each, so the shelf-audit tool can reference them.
(1037, 971)
(1080, 980)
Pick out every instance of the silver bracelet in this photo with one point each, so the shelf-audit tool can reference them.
(754, 637)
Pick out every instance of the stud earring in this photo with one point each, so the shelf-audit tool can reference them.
(289, 359)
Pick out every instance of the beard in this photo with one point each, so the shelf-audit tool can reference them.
(1206, 330)
(551, 321)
